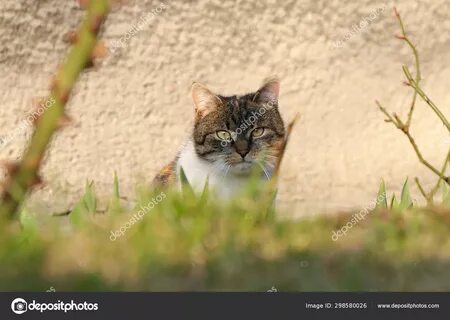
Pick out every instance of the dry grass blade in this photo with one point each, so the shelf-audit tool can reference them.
(289, 129)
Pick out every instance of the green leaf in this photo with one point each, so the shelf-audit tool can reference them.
(114, 206)
(405, 198)
(381, 196)
(78, 213)
(89, 197)
(205, 193)
(394, 203)
(116, 192)
(272, 206)
(187, 188)
(27, 220)
(445, 194)
(86, 205)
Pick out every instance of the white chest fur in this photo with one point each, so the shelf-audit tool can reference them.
(198, 170)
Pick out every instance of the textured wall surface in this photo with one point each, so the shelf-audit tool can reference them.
(133, 111)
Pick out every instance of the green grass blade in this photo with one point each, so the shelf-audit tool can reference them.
(78, 213)
(405, 198)
(187, 188)
(205, 193)
(381, 196)
(114, 206)
(86, 205)
(27, 220)
(445, 194)
(116, 190)
(272, 206)
(394, 203)
(89, 198)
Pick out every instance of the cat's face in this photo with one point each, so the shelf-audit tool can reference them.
(237, 133)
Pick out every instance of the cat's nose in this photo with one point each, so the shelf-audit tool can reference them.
(243, 152)
(242, 147)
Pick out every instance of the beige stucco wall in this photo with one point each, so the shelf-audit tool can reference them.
(134, 110)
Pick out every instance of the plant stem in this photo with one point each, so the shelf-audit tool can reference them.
(421, 189)
(417, 63)
(405, 126)
(425, 98)
(24, 176)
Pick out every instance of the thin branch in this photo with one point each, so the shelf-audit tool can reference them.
(417, 63)
(425, 98)
(405, 126)
(402, 127)
(444, 168)
(421, 189)
(422, 160)
(388, 115)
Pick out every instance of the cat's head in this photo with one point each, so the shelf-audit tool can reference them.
(237, 133)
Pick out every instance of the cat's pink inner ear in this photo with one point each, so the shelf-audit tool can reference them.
(204, 100)
(269, 91)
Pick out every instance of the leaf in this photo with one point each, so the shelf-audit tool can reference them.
(186, 186)
(114, 206)
(116, 193)
(270, 215)
(27, 220)
(205, 193)
(394, 203)
(89, 198)
(86, 205)
(405, 198)
(445, 194)
(381, 196)
(78, 213)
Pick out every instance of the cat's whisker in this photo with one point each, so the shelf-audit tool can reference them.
(221, 167)
(270, 165)
(226, 172)
(265, 171)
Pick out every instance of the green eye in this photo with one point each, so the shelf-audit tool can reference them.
(258, 132)
(223, 135)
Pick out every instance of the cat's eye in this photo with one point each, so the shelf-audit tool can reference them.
(223, 135)
(257, 132)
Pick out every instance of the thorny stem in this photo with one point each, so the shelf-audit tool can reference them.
(24, 176)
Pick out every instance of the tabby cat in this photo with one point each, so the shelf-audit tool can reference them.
(232, 135)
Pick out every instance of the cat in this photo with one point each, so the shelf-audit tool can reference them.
(231, 135)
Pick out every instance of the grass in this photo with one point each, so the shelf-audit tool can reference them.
(186, 242)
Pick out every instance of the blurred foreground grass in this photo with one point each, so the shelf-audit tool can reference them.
(187, 243)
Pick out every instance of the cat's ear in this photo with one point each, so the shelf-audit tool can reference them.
(204, 100)
(269, 92)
